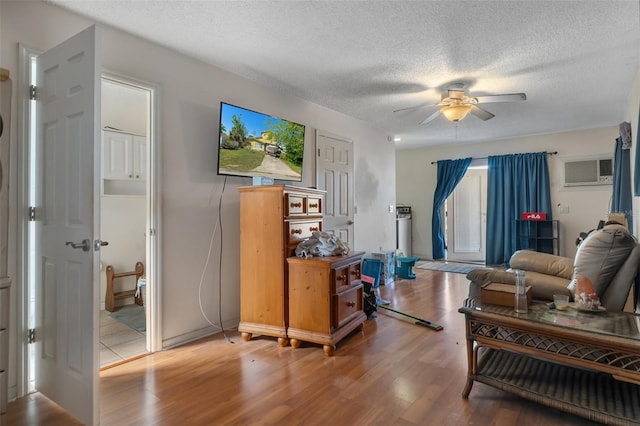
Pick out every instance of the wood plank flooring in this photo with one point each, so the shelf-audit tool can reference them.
(392, 373)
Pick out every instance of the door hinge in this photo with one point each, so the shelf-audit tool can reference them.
(31, 335)
(318, 152)
(32, 214)
(33, 92)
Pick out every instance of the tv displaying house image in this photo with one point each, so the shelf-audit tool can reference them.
(254, 144)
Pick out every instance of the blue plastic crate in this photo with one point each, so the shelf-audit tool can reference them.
(372, 268)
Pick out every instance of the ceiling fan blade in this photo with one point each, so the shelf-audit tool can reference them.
(510, 97)
(430, 118)
(412, 108)
(481, 113)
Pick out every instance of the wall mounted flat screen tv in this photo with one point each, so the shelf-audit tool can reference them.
(255, 144)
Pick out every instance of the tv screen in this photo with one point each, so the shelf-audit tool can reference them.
(255, 144)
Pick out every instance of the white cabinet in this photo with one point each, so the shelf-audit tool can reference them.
(124, 156)
(139, 150)
(124, 163)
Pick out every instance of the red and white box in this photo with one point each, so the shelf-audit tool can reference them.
(534, 216)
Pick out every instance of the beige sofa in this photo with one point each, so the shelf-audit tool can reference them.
(609, 257)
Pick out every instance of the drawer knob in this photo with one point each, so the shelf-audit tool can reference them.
(296, 205)
(351, 304)
(313, 206)
(296, 231)
(340, 278)
(313, 228)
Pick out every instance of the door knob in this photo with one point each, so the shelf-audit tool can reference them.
(98, 243)
(349, 222)
(85, 245)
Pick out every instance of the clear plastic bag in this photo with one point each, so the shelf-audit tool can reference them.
(321, 244)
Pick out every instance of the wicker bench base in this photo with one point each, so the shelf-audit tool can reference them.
(595, 396)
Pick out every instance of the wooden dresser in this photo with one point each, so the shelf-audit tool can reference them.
(273, 220)
(325, 299)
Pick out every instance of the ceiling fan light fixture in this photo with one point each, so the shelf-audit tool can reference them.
(455, 112)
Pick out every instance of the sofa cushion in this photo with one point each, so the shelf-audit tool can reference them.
(543, 263)
(615, 296)
(601, 255)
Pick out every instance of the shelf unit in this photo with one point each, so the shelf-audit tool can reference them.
(538, 235)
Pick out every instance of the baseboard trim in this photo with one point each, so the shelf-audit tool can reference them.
(172, 342)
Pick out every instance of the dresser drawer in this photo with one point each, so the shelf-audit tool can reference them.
(300, 230)
(4, 308)
(295, 205)
(4, 350)
(347, 304)
(345, 277)
(314, 206)
(3, 392)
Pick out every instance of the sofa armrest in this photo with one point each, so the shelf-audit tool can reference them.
(544, 263)
(543, 286)
(486, 276)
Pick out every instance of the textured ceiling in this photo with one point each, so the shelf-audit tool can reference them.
(575, 60)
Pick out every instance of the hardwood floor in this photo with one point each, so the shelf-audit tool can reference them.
(392, 373)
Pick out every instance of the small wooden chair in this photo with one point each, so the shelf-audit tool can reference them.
(112, 295)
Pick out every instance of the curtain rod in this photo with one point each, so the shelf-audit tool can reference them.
(484, 158)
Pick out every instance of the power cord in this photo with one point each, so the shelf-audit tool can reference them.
(204, 269)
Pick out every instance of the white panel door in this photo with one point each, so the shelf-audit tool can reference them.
(67, 214)
(334, 174)
(467, 218)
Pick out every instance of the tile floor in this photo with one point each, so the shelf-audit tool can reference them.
(118, 342)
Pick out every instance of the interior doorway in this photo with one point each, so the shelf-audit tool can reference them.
(124, 201)
(466, 217)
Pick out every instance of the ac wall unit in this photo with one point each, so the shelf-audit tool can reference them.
(598, 171)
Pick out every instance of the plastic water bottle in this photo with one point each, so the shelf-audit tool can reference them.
(521, 303)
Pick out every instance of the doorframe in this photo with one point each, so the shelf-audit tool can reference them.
(350, 225)
(152, 244)
(24, 134)
(24, 367)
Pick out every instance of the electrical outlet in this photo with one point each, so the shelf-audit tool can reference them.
(564, 209)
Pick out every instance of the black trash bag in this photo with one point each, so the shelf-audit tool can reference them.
(370, 301)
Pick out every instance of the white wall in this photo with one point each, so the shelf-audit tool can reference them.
(190, 95)
(124, 108)
(416, 180)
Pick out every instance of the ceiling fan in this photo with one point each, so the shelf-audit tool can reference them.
(457, 104)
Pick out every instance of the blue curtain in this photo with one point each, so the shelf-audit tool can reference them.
(517, 183)
(621, 200)
(450, 173)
